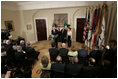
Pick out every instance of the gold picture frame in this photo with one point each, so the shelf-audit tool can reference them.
(60, 19)
(9, 25)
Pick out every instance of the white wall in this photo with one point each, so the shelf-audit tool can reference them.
(7, 15)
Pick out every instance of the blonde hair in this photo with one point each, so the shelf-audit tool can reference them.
(44, 61)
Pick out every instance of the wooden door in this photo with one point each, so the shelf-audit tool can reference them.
(41, 29)
(79, 30)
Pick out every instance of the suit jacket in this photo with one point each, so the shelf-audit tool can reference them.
(53, 53)
(63, 51)
(63, 33)
(96, 54)
(30, 51)
(82, 53)
(58, 67)
(20, 57)
(55, 32)
(23, 47)
(73, 69)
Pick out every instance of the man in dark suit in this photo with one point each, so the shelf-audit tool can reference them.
(96, 54)
(63, 35)
(83, 55)
(31, 53)
(53, 52)
(73, 70)
(22, 44)
(58, 68)
(20, 56)
(90, 70)
(63, 53)
(55, 32)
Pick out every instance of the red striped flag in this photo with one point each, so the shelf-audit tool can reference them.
(85, 26)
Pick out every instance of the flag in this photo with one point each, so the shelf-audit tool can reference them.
(89, 27)
(93, 23)
(97, 27)
(85, 26)
(101, 36)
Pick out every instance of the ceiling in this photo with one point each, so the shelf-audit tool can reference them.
(29, 5)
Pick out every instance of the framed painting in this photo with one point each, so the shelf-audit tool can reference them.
(9, 25)
(60, 19)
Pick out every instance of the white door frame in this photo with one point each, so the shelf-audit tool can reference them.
(36, 29)
(75, 23)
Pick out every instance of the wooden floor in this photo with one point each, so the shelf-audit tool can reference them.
(43, 47)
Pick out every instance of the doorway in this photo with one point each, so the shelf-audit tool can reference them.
(79, 31)
(41, 29)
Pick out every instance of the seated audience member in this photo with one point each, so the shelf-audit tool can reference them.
(58, 68)
(10, 53)
(4, 43)
(83, 55)
(45, 66)
(22, 44)
(72, 53)
(96, 54)
(63, 53)
(53, 52)
(3, 60)
(89, 71)
(15, 45)
(3, 51)
(73, 70)
(20, 56)
(31, 53)
(9, 44)
(111, 54)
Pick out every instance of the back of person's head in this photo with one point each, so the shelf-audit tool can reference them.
(83, 46)
(44, 61)
(73, 48)
(8, 42)
(113, 44)
(3, 49)
(59, 59)
(92, 61)
(53, 44)
(75, 60)
(22, 42)
(63, 45)
(29, 44)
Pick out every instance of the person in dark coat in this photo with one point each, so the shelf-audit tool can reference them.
(69, 37)
(55, 32)
(73, 70)
(20, 56)
(58, 68)
(83, 55)
(63, 35)
(22, 44)
(53, 52)
(63, 52)
(96, 54)
(90, 70)
(30, 51)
